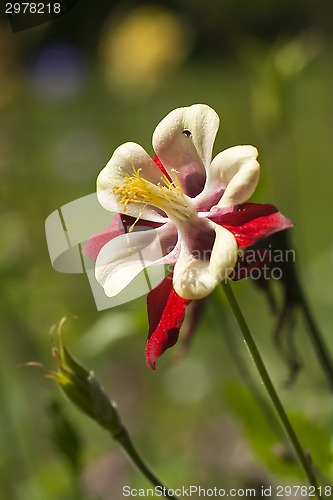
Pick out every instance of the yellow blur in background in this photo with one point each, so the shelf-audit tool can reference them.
(143, 47)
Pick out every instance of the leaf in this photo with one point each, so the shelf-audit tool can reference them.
(315, 439)
(107, 330)
(276, 454)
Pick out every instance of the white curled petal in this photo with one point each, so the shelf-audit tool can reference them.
(224, 253)
(124, 257)
(125, 159)
(232, 177)
(183, 141)
(195, 279)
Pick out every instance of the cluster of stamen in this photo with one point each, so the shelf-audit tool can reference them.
(166, 195)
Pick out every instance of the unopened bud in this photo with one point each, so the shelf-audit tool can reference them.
(81, 386)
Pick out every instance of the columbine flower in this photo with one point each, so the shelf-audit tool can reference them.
(181, 208)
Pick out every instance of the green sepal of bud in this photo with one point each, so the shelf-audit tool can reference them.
(81, 386)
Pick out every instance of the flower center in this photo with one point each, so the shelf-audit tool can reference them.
(166, 195)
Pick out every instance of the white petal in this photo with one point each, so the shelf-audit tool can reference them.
(195, 279)
(183, 141)
(124, 257)
(124, 159)
(231, 178)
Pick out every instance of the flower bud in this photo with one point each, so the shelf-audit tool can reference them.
(80, 385)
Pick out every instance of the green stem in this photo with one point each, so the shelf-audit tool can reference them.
(123, 438)
(315, 336)
(248, 380)
(256, 357)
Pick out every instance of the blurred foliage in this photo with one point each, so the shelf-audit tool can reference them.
(277, 455)
(266, 68)
(65, 436)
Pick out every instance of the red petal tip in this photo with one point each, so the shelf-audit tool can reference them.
(166, 311)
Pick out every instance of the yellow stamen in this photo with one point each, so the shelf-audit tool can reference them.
(166, 195)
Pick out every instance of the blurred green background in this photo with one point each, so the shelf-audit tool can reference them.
(71, 91)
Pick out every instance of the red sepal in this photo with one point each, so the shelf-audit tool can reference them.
(120, 224)
(160, 165)
(98, 240)
(166, 310)
(250, 222)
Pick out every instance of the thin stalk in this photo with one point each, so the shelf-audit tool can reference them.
(257, 359)
(248, 380)
(315, 335)
(82, 388)
(122, 437)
